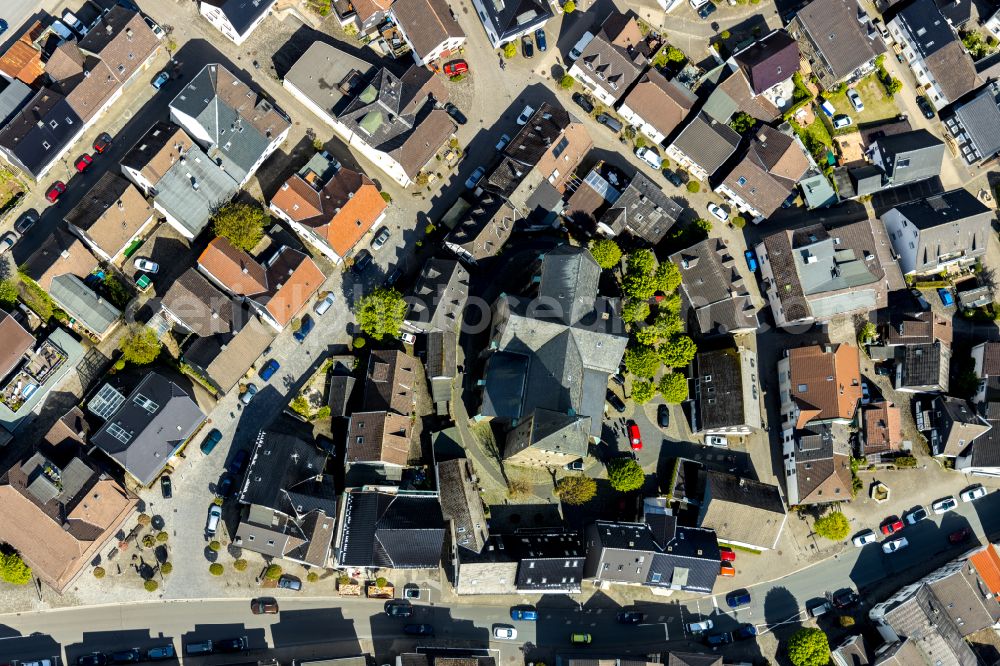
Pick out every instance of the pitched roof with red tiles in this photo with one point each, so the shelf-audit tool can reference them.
(233, 268)
(825, 382)
(292, 280)
(883, 428)
(987, 564)
(61, 253)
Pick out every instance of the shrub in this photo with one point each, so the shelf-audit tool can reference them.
(240, 565)
(739, 221)
(904, 461)
(359, 342)
(606, 252)
(149, 541)
(576, 490)
(343, 579)
(625, 475)
(242, 224)
(386, 197)
(643, 391)
(674, 388)
(725, 34)
(312, 577)
(99, 572)
(139, 345)
(832, 526)
(808, 647)
(120, 364)
(635, 310)
(215, 569)
(162, 537)
(569, 6)
(166, 568)
(381, 582)
(566, 82)
(846, 621)
(151, 585)
(742, 122)
(381, 312)
(273, 572)
(215, 546)
(693, 186)
(509, 50)
(678, 351)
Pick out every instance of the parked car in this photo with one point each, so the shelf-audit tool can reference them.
(610, 122)
(925, 107)
(505, 633)
(892, 545)
(3, 26)
(973, 493)
(248, 394)
(7, 241)
(160, 79)
(866, 396)
(960, 536)
(146, 266)
(842, 121)
(945, 296)
(580, 639)
(264, 606)
(816, 609)
(53, 192)
(583, 102)
(864, 538)
(738, 598)
(524, 614)
(855, 100)
(238, 462)
(527, 46)
(745, 632)
(166, 487)
(615, 402)
(287, 582)
(673, 178)
(540, 40)
(717, 440)
(884, 370)
(408, 338)
(214, 516)
(92, 659)
(455, 67)
(213, 438)
(232, 644)
(305, 328)
(392, 278)
(944, 505)
(707, 10)
(699, 627)
(726, 570)
(718, 212)
(891, 526)
(161, 652)
(381, 238)
(130, 656)
(361, 261)
(83, 162)
(580, 45)
(727, 554)
(525, 115)
(649, 156)
(199, 647)
(473, 180)
(845, 599)
(663, 416)
(224, 488)
(455, 113)
(634, 438)
(751, 260)
(418, 630)
(398, 608)
(631, 617)
(157, 30)
(502, 143)
(325, 304)
(916, 515)
(102, 142)
(718, 639)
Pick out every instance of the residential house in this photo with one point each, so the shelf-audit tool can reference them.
(194, 305)
(379, 434)
(881, 432)
(429, 27)
(13, 96)
(368, 14)
(111, 218)
(235, 19)
(389, 382)
(505, 22)
(768, 65)
(614, 58)
(656, 553)
(986, 364)
(949, 424)
(441, 368)
(941, 66)
(91, 314)
(920, 345)
(330, 207)
(714, 288)
(703, 146)
(641, 209)
(34, 139)
(462, 506)
(17, 342)
(767, 175)
(938, 233)
(818, 464)
(837, 39)
(57, 509)
(43, 367)
(326, 79)
(236, 126)
(437, 302)
(277, 289)
(529, 561)
(539, 162)
(380, 438)
(22, 61)
(389, 529)
(733, 94)
(546, 438)
(483, 229)
(143, 431)
(288, 506)
(850, 652)
(551, 356)
(819, 385)
(817, 272)
(726, 398)
(186, 186)
(975, 125)
(60, 253)
(907, 157)
(655, 106)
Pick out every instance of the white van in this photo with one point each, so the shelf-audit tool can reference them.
(62, 30)
(577, 50)
(70, 19)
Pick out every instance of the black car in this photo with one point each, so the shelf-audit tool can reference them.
(707, 10)
(418, 630)
(717, 639)
(618, 379)
(884, 370)
(925, 107)
(361, 261)
(663, 416)
(132, 656)
(224, 488)
(616, 402)
(232, 644)
(166, 488)
(456, 115)
(95, 659)
(631, 617)
(305, 327)
(25, 222)
(745, 632)
(845, 599)
(238, 462)
(610, 122)
(527, 47)
(582, 102)
(393, 277)
(673, 178)
(398, 608)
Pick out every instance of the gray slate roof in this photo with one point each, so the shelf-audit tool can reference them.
(642, 209)
(910, 156)
(80, 302)
(399, 531)
(328, 77)
(708, 142)
(192, 208)
(976, 124)
(718, 389)
(438, 299)
(714, 287)
(13, 97)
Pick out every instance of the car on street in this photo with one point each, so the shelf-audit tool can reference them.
(615, 402)
(727, 554)
(540, 40)
(505, 633)
(130, 656)
(213, 438)
(892, 545)
(102, 142)
(325, 304)
(960, 536)
(581, 101)
(502, 142)
(381, 238)
(717, 212)
(408, 338)
(3, 26)
(738, 598)
(855, 100)
(525, 115)
(524, 614)
(579, 639)
(398, 608)
(663, 416)
(866, 396)
(474, 178)
(726, 570)
(631, 617)
(166, 487)
(718, 639)
(455, 67)
(925, 107)
(699, 627)
(83, 162)
(7, 241)
(25, 222)
(232, 644)
(673, 178)
(945, 296)
(580, 45)
(160, 79)
(751, 260)
(361, 261)
(146, 266)
(455, 113)
(944, 505)
(649, 156)
(527, 46)
(864, 538)
(891, 526)
(707, 10)
(418, 630)
(845, 599)
(264, 606)
(634, 438)
(717, 440)
(973, 493)
(305, 328)
(610, 122)
(842, 121)
(287, 582)
(745, 632)
(161, 652)
(214, 516)
(92, 659)
(915, 516)
(53, 192)
(248, 394)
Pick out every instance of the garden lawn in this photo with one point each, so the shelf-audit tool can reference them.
(878, 105)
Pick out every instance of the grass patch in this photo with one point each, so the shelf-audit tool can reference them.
(744, 549)
(878, 105)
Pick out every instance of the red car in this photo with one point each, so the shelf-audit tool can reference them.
(961, 536)
(53, 192)
(892, 526)
(634, 439)
(727, 555)
(456, 67)
(83, 162)
(102, 143)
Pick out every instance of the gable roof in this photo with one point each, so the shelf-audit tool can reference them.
(438, 299)
(389, 381)
(769, 61)
(661, 103)
(426, 24)
(61, 253)
(378, 437)
(733, 93)
(922, 327)
(398, 530)
(510, 18)
(16, 341)
(226, 357)
(233, 267)
(203, 309)
(976, 124)
(909, 156)
(770, 170)
(242, 13)
(707, 142)
(643, 209)
(615, 55)
(40, 131)
(825, 381)
(111, 213)
(714, 287)
(160, 148)
(987, 565)
(742, 510)
(833, 28)
(822, 465)
(937, 45)
(292, 279)
(71, 294)
(718, 392)
(944, 209)
(882, 428)
(461, 503)
(484, 229)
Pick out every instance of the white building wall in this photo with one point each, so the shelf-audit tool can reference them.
(307, 235)
(218, 19)
(582, 75)
(633, 118)
(192, 127)
(724, 190)
(172, 221)
(686, 162)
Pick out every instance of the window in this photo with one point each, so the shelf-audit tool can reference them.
(560, 147)
(119, 433)
(145, 403)
(741, 181)
(53, 124)
(903, 163)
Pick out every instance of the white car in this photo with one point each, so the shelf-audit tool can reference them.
(944, 505)
(842, 121)
(525, 115)
(699, 627)
(650, 157)
(892, 545)
(7, 241)
(408, 338)
(146, 265)
(973, 493)
(716, 440)
(864, 538)
(855, 98)
(505, 633)
(718, 212)
(214, 516)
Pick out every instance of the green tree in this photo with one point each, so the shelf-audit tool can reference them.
(666, 324)
(668, 277)
(742, 122)
(8, 293)
(241, 223)
(832, 526)
(273, 572)
(569, 6)
(139, 345)
(674, 388)
(13, 569)
(240, 565)
(625, 475)
(693, 186)
(808, 647)
(576, 490)
(635, 310)
(725, 34)
(215, 569)
(643, 391)
(566, 82)
(606, 252)
(643, 277)
(381, 313)
(642, 361)
(678, 351)
(509, 50)
(674, 54)
(214, 546)
(704, 226)
(166, 568)
(867, 333)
